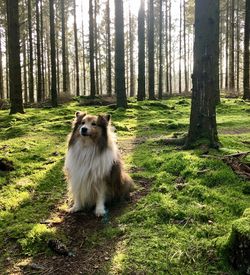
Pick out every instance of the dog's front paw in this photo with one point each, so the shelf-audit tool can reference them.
(74, 209)
(100, 211)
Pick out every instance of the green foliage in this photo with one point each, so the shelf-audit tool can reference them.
(180, 227)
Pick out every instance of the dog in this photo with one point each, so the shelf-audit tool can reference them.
(93, 166)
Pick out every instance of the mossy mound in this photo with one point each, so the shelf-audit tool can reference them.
(239, 243)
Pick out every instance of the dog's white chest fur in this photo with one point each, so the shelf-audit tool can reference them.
(87, 169)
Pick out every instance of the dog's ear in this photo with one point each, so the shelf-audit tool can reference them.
(103, 120)
(79, 113)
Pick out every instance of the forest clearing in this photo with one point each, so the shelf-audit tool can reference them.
(178, 219)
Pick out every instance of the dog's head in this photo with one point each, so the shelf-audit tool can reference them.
(91, 128)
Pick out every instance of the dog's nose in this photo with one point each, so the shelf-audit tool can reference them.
(84, 130)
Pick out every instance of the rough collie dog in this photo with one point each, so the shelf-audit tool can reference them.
(93, 166)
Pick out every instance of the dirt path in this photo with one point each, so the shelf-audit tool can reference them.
(78, 228)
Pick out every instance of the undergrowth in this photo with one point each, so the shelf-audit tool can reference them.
(178, 228)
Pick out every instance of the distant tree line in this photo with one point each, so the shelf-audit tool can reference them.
(46, 49)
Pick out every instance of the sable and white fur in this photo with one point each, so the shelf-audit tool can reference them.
(93, 166)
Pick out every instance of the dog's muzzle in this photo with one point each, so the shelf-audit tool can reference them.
(84, 131)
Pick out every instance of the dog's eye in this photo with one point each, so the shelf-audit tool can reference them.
(93, 124)
(83, 122)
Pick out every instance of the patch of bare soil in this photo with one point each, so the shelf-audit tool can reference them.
(234, 131)
(81, 257)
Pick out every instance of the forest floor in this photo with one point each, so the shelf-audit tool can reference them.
(177, 221)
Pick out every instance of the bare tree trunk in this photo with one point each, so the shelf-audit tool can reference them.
(231, 59)
(185, 46)
(206, 61)
(227, 47)
(64, 61)
(160, 53)
(1, 68)
(15, 77)
(141, 53)
(83, 56)
(76, 53)
(109, 63)
(24, 71)
(91, 51)
(151, 49)
(119, 56)
(170, 48)
(180, 46)
(96, 49)
(53, 54)
(42, 51)
(246, 84)
(38, 56)
(238, 50)
(131, 54)
(167, 49)
(31, 66)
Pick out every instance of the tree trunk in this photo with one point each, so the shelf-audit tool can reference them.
(53, 54)
(64, 62)
(91, 51)
(109, 63)
(180, 46)
(170, 48)
(119, 56)
(76, 53)
(141, 52)
(83, 55)
(1, 68)
(24, 71)
(231, 59)
(246, 83)
(38, 55)
(42, 51)
(167, 49)
(151, 49)
(202, 126)
(238, 50)
(185, 46)
(160, 53)
(31, 66)
(96, 49)
(227, 46)
(131, 54)
(15, 77)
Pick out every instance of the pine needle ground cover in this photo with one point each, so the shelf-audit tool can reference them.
(179, 225)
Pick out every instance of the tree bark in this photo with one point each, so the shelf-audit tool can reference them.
(1, 68)
(151, 49)
(180, 48)
(53, 54)
(246, 84)
(38, 55)
(231, 57)
(31, 66)
(64, 61)
(15, 78)
(109, 63)
(202, 126)
(119, 56)
(160, 53)
(131, 54)
(141, 53)
(76, 53)
(91, 51)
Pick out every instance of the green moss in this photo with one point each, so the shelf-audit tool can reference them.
(170, 230)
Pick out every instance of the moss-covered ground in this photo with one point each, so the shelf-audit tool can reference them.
(179, 227)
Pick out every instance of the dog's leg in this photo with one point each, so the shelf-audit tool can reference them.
(77, 206)
(100, 208)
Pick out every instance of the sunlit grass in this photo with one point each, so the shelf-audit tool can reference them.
(171, 230)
